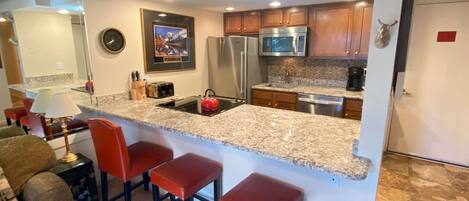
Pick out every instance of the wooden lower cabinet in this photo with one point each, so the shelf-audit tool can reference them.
(274, 99)
(353, 108)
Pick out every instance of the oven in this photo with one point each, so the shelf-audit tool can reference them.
(289, 41)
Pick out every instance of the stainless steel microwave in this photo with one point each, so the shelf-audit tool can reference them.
(288, 41)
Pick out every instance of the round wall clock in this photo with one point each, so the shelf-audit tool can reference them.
(112, 40)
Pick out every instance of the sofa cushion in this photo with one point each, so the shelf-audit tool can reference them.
(46, 186)
(24, 156)
(11, 131)
(6, 192)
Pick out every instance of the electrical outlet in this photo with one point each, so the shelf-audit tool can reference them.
(59, 65)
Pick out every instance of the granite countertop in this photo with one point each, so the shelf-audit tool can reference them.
(318, 142)
(328, 91)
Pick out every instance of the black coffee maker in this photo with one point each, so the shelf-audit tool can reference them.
(355, 79)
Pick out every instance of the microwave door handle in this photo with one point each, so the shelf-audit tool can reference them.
(295, 45)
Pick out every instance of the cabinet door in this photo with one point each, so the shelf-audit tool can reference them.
(272, 18)
(296, 16)
(286, 101)
(251, 22)
(362, 29)
(331, 31)
(262, 102)
(233, 23)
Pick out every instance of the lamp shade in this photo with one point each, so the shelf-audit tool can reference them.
(41, 101)
(62, 105)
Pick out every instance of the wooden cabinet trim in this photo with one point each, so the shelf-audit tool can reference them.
(362, 30)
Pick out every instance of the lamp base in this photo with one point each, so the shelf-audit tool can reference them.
(69, 157)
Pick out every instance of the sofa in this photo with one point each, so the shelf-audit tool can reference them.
(25, 161)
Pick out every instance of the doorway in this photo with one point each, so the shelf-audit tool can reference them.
(431, 116)
(11, 71)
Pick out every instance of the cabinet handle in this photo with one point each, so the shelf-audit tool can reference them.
(280, 22)
(356, 52)
(245, 29)
(347, 52)
(288, 22)
(275, 105)
(269, 104)
(346, 114)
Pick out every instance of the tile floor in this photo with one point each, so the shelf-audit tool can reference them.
(408, 179)
(402, 179)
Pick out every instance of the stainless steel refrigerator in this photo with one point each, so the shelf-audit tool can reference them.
(235, 66)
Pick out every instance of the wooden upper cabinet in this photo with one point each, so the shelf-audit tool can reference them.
(362, 29)
(233, 23)
(251, 22)
(272, 18)
(331, 31)
(296, 16)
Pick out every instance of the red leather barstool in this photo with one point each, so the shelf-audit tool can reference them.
(125, 163)
(185, 176)
(258, 187)
(14, 114)
(25, 120)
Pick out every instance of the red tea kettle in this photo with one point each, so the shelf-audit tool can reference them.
(209, 104)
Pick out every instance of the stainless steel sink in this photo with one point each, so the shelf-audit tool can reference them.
(282, 85)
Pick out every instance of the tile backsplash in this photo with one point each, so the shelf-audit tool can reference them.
(311, 71)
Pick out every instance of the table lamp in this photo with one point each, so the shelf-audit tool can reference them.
(62, 107)
(39, 107)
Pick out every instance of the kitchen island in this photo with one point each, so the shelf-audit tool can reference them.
(310, 151)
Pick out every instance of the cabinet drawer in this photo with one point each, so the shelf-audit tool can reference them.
(261, 94)
(353, 115)
(262, 102)
(353, 105)
(284, 97)
(285, 106)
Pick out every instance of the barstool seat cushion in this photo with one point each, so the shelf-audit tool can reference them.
(186, 175)
(145, 156)
(24, 121)
(15, 113)
(258, 187)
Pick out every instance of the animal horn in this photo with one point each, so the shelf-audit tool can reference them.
(395, 22)
(379, 20)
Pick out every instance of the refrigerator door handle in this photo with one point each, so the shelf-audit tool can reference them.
(242, 73)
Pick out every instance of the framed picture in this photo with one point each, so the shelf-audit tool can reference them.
(168, 41)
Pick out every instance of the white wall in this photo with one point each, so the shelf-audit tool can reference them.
(111, 73)
(45, 40)
(377, 99)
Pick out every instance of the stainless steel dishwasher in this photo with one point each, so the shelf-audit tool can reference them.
(320, 104)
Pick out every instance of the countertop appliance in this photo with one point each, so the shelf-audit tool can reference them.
(288, 41)
(160, 89)
(356, 77)
(320, 104)
(193, 105)
(235, 66)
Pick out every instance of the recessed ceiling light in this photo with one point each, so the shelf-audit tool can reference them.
(162, 15)
(275, 4)
(230, 8)
(64, 12)
(2, 19)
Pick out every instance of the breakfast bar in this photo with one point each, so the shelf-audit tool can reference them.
(283, 144)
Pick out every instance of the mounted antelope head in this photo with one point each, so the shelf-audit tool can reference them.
(384, 35)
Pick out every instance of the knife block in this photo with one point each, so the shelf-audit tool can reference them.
(137, 90)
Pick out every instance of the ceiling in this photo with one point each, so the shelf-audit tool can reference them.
(241, 5)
